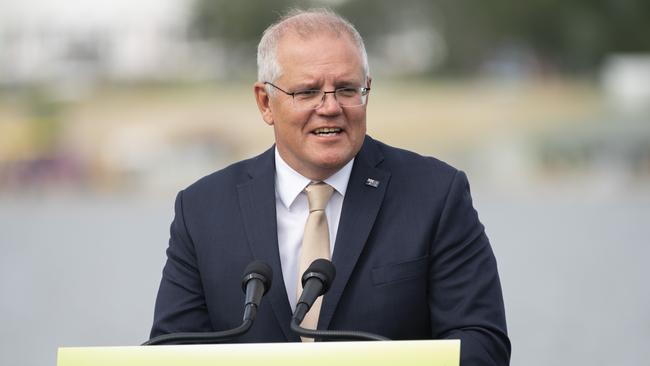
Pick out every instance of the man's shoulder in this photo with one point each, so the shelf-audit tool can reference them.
(405, 162)
(418, 177)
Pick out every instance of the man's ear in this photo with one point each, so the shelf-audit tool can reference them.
(263, 102)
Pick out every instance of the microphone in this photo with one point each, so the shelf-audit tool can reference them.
(316, 281)
(256, 282)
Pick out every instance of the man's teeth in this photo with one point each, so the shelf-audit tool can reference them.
(327, 131)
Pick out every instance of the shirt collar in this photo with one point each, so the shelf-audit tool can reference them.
(289, 183)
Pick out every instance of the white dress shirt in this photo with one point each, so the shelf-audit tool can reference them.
(292, 209)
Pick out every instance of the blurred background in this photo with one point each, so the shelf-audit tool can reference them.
(107, 109)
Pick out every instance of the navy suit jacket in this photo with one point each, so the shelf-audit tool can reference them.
(412, 258)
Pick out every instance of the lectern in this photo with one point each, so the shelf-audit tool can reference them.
(412, 353)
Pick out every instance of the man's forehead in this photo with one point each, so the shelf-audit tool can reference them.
(295, 51)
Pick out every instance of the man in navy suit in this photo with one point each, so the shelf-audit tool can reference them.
(412, 258)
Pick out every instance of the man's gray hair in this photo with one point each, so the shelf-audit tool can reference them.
(305, 23)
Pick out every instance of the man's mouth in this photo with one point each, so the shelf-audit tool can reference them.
(326, 131)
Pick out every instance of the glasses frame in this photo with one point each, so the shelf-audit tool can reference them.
(363, 90)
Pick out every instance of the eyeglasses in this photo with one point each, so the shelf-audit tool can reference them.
(314, 98)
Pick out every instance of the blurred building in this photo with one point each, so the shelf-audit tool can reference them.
(56, 52)
(74, 42)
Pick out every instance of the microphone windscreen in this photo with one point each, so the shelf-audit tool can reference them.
(260, 270)
(323, 269)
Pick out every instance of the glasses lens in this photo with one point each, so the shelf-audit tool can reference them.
(350, 97)
(346, 97)
(308, 99)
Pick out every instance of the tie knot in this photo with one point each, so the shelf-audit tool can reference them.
(318, 194)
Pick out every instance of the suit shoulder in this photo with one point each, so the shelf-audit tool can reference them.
(411, 163)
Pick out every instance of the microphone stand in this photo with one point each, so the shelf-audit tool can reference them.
(301, 310)
(200, 337)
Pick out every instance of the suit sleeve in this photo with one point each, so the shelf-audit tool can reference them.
(180, 305)
(465, 298)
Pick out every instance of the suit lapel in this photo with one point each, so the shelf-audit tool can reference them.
(257, 204)
(360, 207)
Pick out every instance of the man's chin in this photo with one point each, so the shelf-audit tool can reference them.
(333, 162)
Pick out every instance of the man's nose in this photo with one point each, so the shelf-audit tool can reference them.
(329, 105)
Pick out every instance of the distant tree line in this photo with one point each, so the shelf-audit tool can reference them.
(568, 36)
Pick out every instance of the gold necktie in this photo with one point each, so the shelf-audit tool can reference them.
(315, 242)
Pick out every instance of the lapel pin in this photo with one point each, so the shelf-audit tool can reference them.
(372, 182)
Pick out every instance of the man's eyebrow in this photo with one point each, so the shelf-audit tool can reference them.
(305, 85)
(313, 84)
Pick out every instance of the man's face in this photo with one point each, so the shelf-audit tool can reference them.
(327, 63)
